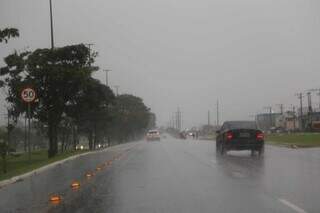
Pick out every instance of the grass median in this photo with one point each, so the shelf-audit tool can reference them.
(17, 165)
(303, 140)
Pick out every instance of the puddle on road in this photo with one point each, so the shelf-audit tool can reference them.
(238, 174)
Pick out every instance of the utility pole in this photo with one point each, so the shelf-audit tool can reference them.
(294, 117)
(29, 129)
(173, 120)
(318, 93)
(300, 97)
(181, 120)
(178, 119)
(89, 46)
(208, 117)
(269, 108)
(107, 70)
(309, 110)
(177, 126)
(25, 133)
(281, 108)
(117, 89)
(51, 24)
(309, 102)
(217, 112)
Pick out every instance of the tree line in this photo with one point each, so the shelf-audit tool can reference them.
(69, 103)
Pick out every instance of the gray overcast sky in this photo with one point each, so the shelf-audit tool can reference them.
(186, 53)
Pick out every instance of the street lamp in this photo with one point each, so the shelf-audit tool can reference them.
(107, 70)
(117, 89)
(51, 22)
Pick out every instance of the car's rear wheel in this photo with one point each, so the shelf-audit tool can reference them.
(222, 149)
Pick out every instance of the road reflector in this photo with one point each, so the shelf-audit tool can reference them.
(89, 174)
(55, 199)
(75, 184)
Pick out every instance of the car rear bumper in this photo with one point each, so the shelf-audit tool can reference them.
(153, 139)
(237, 145)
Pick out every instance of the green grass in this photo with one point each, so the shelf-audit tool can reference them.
(20, 164)
(208, 137)
(297, 139)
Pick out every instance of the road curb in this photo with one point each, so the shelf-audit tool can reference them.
(44, 168)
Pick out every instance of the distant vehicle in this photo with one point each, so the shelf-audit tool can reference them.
(240, 135)
(82, 147)
(182, 135)
(153, 135)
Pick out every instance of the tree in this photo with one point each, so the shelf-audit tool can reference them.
(8, 33)
(131, 117)
(65, 131)
(90, 110)
(3, 149)
(5, 35)
(58, 76)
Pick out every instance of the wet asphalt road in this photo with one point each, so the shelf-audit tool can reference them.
(174, 176)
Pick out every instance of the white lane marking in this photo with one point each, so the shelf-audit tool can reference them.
(292, 206)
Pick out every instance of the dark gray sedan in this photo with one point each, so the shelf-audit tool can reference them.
(240, 135)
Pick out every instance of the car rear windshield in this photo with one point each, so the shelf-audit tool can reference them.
(242, 125)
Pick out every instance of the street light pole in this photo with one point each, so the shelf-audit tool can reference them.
(107, 70)
(269, 108)
(51, 22)
(217, 112)
(117, 89)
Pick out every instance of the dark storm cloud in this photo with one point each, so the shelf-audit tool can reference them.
(186, 53)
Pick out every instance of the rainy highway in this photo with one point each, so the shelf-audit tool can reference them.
(174, 176)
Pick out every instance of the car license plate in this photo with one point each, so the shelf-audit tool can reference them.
(244, 135)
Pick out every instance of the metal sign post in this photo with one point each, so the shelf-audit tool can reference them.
(28, 95)
(29, 144)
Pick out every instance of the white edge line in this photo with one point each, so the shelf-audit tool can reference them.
(292, 206)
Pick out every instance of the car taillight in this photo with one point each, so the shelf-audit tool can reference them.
(260, 136)
(229, 135)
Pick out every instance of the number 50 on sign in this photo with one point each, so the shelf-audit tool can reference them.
(28, 95)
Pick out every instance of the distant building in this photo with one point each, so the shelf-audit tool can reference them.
(266, 121)
(287, 121)
(208, 129)
(309, 121)
(290, 121)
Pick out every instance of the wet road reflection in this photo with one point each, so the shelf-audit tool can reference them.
(174, 176)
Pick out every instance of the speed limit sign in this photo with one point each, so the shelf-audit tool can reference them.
(28, 95)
